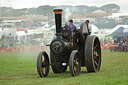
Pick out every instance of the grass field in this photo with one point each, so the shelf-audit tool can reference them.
(19, 68)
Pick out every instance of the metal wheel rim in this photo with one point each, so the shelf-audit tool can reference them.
(76, 64)
(96, 55)
(44, 64)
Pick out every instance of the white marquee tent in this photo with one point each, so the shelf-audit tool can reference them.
(21, 36)
(117, 27)
(1, 33)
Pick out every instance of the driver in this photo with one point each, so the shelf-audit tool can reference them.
(71, 26)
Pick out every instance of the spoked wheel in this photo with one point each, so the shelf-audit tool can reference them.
(75, 63)
(43, 64)
(92, 54)
(57, 67)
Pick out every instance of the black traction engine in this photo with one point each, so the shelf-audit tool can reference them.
(73, 48)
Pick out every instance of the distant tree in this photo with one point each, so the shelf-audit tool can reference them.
(6, 11)
(110, 8)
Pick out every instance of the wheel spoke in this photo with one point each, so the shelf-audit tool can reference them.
(96, 63)
(95, 46)
(76, 62)
(44, 65)
(96, 56)
(43, 70)
(43, 62)
(74, 68)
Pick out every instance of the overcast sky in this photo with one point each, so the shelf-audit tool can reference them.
(35, 3)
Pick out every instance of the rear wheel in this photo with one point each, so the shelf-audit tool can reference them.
(92, 54)
(75, 63)
(57, 67)
(43, 64)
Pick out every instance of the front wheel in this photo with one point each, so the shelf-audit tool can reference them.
(75, 63)
(43, 64)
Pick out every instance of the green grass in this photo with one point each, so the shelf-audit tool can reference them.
(19, 68)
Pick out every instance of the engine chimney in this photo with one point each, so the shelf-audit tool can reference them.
(58, 13)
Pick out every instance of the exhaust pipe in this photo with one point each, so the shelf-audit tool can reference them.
(58, 20)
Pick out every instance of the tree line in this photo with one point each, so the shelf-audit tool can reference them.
(48, 10)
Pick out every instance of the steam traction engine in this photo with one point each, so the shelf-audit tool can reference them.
(70, 48)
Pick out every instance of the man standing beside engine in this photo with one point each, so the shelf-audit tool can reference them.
(88, 27)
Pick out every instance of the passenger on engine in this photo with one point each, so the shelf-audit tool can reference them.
(88, 27)
(71, 26)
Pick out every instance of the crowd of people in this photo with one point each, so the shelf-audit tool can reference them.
(123, 41)
(5, 44)
(120, 44)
